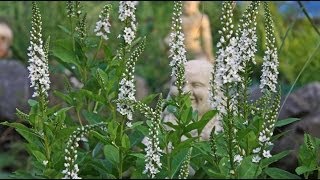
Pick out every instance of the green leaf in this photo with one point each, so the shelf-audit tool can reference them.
(199, 125)
(64, 29)
(97, 149)
(284, 122)
(277, 173)
(112, 129)
(99, 136)
(183, 145)
(125, 142)
(172, 109)
(138, 155)
(64, 97)
(102, 78)
(22, 115)
(224, 165)
(30, 136)
(32, 102)
(267, 161)
(92, 118)
(111, 153)
(186, 115)
(303, 169)
(64, 54)
(214, 175)
(149, 99)
(177, 160)
(135, 125)
(39, 156)
(248, 170)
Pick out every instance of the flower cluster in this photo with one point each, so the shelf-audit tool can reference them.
(70, 9)
(267, 131)
(38, 57)
(177, 47)
(81, 27)
(246, 34)
(234, 53)
(153, 150)
(270, 64)
(71, 167)
(127, 14)
(184, 171)
(103, 25)
(225, 62)
(127, 84)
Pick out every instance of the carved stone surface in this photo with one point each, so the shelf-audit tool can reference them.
(197, 74)
(196, 27)
(14, 88)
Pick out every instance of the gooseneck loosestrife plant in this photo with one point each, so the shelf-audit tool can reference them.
(177, 47)
(97, 132)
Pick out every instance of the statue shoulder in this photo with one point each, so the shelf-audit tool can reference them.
(205, 20)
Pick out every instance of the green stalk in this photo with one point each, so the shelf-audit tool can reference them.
(120, 149)
(96, 105)
(99, 47)
(79, 118)
(229, 124)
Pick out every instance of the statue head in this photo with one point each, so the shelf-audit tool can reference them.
(190, 7)
(6, 36)
(197, 74)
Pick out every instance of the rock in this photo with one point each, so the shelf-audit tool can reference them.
(304, 104)
(14, 88)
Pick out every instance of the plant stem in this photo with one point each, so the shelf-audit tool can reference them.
(79, 118)
(229, 124)
(168, 157)
(120, 148)
(100, 44)
(96, 105)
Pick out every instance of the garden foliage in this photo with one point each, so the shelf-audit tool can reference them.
(102, 131)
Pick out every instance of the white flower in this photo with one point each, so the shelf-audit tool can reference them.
(256, 159)
(127, 86)
(45, 162)
(270, 64)
(177, 47)
(257, 150)
(238, 158)
(38, 59)
(103, 25)
(127, 12)
(263, 138)
(71, 168)
(266, 154)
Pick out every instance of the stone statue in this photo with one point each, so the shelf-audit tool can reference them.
(196, 27)
(197, 74)
(14, 81)
(6, 36)
(197, 32)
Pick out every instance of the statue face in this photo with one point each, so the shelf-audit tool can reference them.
(5, 39)
(197, 74)
(190, 7)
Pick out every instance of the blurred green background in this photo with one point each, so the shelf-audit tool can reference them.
(154, 20)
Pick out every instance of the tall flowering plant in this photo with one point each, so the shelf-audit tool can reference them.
(177, 47)
(97, 132)
(247, 126)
